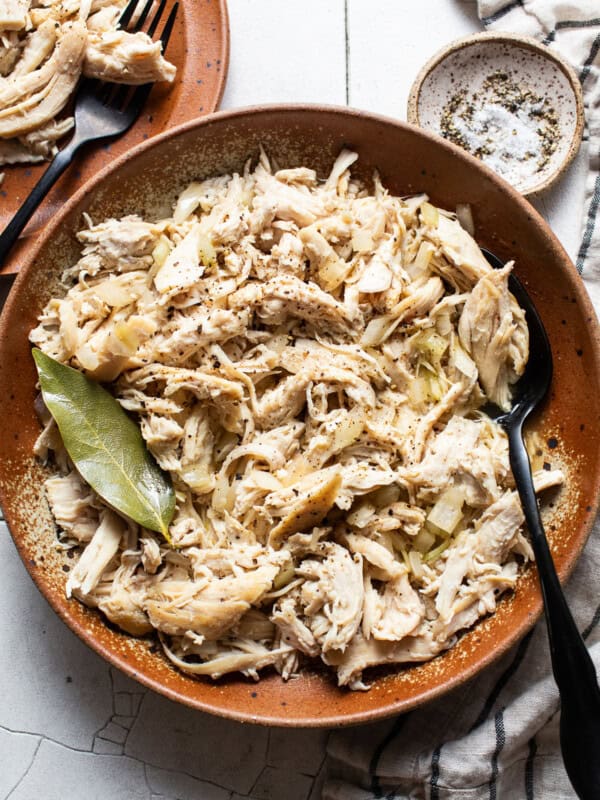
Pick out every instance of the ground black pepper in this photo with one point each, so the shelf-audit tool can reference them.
(528, 125)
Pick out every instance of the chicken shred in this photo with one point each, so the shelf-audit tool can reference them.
(309, 360)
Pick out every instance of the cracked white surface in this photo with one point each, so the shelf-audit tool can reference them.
(167, 783)
(56, 769)
(71, 728)
(194, 739)
(18, 751)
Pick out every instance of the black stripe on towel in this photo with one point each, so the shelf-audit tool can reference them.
(502, 12)
(502, 681)
(435, 773)
(529, 769)
(378, 752)
(589, 227)
(500, 742)
(577, 23)
(570, 24)
(592, 625)
(587, 64)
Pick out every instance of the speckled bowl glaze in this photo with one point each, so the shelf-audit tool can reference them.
(409, 160)
(465, 64)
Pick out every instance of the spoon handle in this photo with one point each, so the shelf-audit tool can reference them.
(573, 668)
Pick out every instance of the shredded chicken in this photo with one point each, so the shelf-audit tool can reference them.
(122, 57)
(44, 49)
(309, 361)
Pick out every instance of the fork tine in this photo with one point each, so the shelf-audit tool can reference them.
(140, 94)
(127, 14)
(134, 98)
(116, 95)
(142, 18)
(167, 30)
(157, 16)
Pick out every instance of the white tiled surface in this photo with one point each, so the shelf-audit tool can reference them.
(71, 728)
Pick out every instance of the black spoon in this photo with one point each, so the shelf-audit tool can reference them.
(573, 669)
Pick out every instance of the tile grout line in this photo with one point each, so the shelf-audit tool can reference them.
(347, 52)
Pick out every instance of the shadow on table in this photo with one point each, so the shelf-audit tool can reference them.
(468, 8)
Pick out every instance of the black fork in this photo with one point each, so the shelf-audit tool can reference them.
(103, 110)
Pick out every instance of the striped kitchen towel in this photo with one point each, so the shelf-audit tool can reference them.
(497, 736)
(573, 29)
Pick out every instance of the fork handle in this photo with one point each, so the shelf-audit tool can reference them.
(573, 668)
(59, 164)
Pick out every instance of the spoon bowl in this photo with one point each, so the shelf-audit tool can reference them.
(533, 386)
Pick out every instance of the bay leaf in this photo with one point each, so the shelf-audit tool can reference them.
(106, 445)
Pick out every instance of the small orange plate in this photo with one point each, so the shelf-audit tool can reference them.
(199, 48)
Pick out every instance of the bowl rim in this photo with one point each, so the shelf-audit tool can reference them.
(525, 43)
(337, 719)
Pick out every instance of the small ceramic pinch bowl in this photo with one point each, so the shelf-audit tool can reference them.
(409, 160)
(507, 99)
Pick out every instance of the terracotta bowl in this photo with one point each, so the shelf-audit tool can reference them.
(409, 160)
